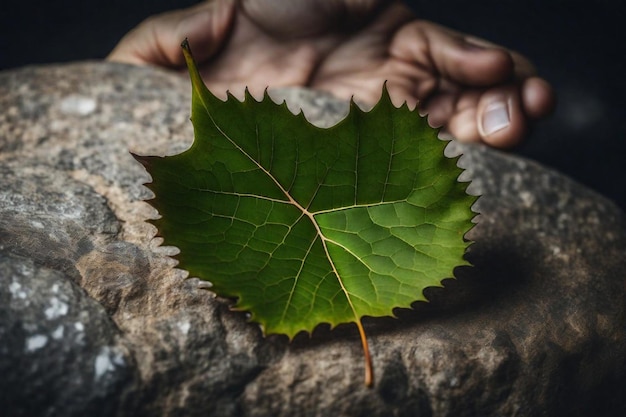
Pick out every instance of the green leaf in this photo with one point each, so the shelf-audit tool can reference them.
(304, 225)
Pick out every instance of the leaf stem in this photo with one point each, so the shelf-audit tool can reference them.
(369, 372)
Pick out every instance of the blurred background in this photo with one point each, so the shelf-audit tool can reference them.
(579, 46)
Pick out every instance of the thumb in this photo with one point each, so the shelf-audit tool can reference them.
(157, 40)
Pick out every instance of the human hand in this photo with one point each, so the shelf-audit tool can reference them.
(476, 90)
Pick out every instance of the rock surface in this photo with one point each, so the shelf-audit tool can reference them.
(95, 320)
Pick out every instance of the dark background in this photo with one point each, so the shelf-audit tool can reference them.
(576, 45)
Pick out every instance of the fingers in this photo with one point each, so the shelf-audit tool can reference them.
(504, 114)
(450, 56)
(157, 40)
(481, 92)
(499, 116)
(538, 98)
(522, 67)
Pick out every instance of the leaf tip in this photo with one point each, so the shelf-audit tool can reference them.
(247, 96)
(385, 96)
(185, 44)
(385, 89)
(194, 74)
(266, 95)
(187, 53)
(354, 107)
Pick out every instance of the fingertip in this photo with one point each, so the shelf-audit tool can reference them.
(500, 119)
(504, 113)
(538, 97)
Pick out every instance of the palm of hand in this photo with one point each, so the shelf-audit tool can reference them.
(345, 63)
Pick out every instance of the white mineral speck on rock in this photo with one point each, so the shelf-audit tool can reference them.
(37, 224)
(184, 327)
(102, 365)
(57, 308)
(528, 199)
(58, 333)
(79, 337)
(15, 288)
(36, 342)
(106, 361)
(79, 105)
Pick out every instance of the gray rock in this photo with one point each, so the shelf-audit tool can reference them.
(61, 353)
(95, 319)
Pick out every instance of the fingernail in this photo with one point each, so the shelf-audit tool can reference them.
(495, 117)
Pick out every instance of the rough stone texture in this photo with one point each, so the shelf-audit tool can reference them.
(60, 350)
(95, 319)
